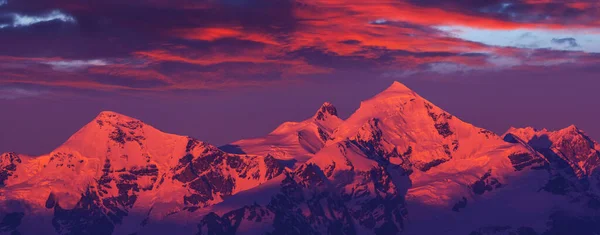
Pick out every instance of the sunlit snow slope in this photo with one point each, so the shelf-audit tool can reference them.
(398, 165)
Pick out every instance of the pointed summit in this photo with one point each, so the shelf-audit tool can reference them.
(396, 91)
(112, 130)
(113, 117)
(573, 135)
(570, 129)
(523, 133)
(109, 113)
(114, 120)
(326, 110)
(294, 140)
(570, 144)
(397, 87)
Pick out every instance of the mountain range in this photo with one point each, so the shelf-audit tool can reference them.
(398, 165)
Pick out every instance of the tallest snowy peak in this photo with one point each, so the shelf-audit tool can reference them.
(396, 90)
(396, 93)
(111, 116)
(398, 87)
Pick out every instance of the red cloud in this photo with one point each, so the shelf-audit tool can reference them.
(198, 46)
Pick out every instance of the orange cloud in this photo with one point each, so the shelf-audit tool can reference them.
(322, 36)
(212, 34)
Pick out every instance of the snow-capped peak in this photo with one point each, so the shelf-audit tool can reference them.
(570, 130)
(532, 135)
(112, 135)
(398, 160)
(111, 116)
(397, 90)
(326, 110)
(400, 107)
(293, 140)
(570, 144)
(525, 133)
(398, 87)
(107, 125)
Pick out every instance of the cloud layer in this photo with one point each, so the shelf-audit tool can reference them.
(182, 45)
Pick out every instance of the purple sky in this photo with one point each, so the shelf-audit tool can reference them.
(491, 100)
(224, 70)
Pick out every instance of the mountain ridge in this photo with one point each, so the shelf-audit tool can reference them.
(386, 169)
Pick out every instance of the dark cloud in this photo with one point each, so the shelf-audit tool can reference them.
(525, 11)
(114, 29)
(187, 44)
(351, 42)
(570, 42)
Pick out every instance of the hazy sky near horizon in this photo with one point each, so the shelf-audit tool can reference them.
(222, 70)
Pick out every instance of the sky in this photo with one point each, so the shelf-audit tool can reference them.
(222, 70)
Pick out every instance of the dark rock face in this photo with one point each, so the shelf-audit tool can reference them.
(123, 132)
(371, 139)
(315, 200)
(389, 205)
(425, 166)
(510, 138)
(102, 209)
(230, 222)
(323, 135)
(88, 207)
(51, 201)
(568, 151)
(232, 148)
(485, 183)
(428, 165)
(64, 160)
(572, 159)
(274, 167)
(487, 133)
(8, 166)
(10, 222)
(128, 188)
(292, 211)
(523, 160)
(207, 177)
(576, 146)
(441, 121)
(192, 143)
(203, 176)
(118, 136)
(326, 109)
(370, 142)
(443, 129)
(460, 205)
(565, 176)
